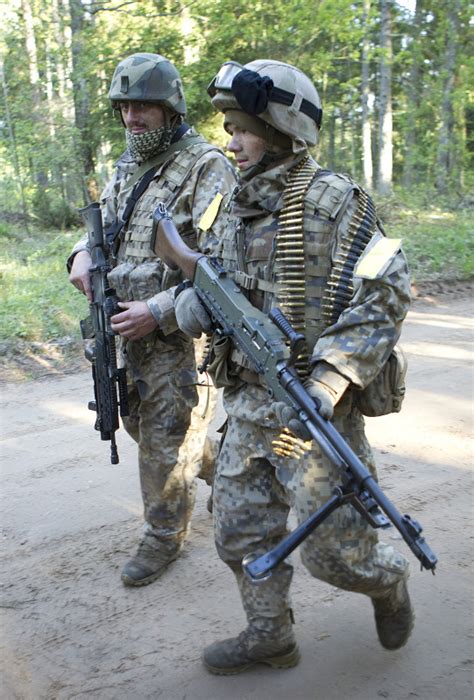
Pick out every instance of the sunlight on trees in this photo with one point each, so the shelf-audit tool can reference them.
(396, 97)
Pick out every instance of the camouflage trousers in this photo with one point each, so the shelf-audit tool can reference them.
(254, 490)
(169, 417)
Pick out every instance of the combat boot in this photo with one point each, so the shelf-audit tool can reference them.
(394, 616)
(251, 647)
(151, 560)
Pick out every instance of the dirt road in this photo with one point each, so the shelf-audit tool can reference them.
(70, 519)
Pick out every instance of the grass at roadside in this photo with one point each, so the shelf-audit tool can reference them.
(39, 304)
(439, 244)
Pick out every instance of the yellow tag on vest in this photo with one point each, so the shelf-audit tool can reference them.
(209, 216)
(376, 259)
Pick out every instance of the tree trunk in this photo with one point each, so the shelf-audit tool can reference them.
(413, 99)
(81, 101)
(37, 115)
(11, 135)
(366, 126)
(384, 184)
(62, 35)
(443, 160)
(342, 156)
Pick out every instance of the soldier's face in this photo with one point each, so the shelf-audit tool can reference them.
(246, 147)
(140, 117)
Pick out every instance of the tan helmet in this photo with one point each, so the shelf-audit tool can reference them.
(148, 77)
(277, 93)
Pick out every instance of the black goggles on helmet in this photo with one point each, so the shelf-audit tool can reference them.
(253, 92)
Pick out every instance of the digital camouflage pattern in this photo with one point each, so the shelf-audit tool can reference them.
(169, 411)
(148, 77)
(253, 492)
(254, 488)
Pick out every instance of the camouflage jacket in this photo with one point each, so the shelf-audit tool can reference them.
(358, 342)
(188, 178)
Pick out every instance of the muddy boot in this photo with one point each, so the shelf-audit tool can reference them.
(150, 562)
(394, 616)
(252, 646)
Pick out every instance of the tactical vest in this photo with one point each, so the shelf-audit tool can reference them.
(139, 273)
(250, 250)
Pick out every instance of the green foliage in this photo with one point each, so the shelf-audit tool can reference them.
(48, 210)
(439, 244)
(58, 139)
(437, 235)
(38, 303)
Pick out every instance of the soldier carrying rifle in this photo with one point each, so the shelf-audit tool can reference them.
(165, 161)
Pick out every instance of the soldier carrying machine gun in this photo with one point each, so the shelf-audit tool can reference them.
(263, 340)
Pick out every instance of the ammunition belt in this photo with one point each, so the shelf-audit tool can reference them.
(339, 290)
(290, 278)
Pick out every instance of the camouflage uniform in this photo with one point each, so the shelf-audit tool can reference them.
(306, 253)
(254, 488)
(169, 411)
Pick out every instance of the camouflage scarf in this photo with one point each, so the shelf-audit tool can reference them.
(145, 146)
(263, 190)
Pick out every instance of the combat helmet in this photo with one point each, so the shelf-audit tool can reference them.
(148, 77)
(278, 93)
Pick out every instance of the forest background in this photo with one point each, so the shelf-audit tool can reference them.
(395, 79)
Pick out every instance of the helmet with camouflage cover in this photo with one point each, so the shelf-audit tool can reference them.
(148, 77)
(278, 93)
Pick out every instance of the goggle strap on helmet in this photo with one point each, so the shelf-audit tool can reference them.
(291, 106)
(253, 92)
(287, 98)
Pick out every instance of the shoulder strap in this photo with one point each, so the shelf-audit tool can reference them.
(114, 230)
(182, 167)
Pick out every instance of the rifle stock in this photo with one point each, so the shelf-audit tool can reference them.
(264, 341)
(170, 246)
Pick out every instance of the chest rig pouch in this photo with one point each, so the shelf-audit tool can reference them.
(139, 272)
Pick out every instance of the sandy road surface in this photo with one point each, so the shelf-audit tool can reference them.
(69, 520)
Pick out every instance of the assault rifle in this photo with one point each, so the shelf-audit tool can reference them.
(271, 344)
(102, 352)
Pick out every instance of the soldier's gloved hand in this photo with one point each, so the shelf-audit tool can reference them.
(288, 418)
(326, 386)
(191, 316)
